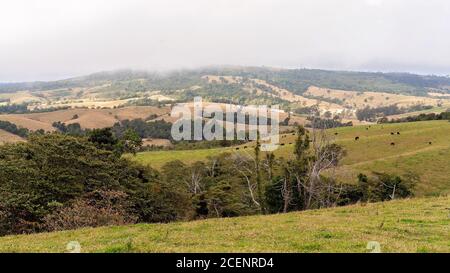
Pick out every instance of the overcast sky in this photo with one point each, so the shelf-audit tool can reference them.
(53, 39)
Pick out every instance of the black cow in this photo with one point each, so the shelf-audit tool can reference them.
(392, 133)
(392, 144)
(398, 133)
(237, 148)
(430, 143)
(357, 138)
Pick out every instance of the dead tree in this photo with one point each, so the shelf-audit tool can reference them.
(325, 156)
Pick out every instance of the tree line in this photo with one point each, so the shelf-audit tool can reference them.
(421, 117)
(13, 129)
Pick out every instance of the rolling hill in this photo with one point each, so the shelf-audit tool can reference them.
(296, 80)
(338, 92)
(411, 225)
(412, 153)
(87, 118)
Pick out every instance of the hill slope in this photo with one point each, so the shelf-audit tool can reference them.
(7, 137)
(87, 118)
(415, 225)
(412, 152)
(297, 80)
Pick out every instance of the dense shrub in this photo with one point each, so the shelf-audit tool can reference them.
(153, 129)
(59, 169)
(98, 208)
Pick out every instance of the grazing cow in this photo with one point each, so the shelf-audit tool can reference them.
(245, 147)
(290, 143)
(237, 148)
(398, 133)
(336, 134)
(357, 138)
(430, 143)
(392, 133)
(367, 128)
(392, 144)
(282, 144)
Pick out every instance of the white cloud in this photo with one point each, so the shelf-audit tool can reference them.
(49, 39)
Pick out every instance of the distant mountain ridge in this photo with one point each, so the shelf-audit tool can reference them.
(296, 80)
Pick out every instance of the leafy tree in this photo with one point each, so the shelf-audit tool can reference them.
(103, 139)
(131, 141)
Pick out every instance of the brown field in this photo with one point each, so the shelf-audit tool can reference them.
(21, 97)
(7, 137)
(156, 142)
(355, 99)
(25, 121)
(87, 118)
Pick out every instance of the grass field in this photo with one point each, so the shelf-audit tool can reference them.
(373, 152)
(414, 225)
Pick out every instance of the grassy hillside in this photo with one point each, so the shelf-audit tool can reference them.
(373, 152)
(415, 225)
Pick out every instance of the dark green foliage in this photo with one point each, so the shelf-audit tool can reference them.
(52, 171)
(383, 187)
(131, 141)
(73, 129)
(273, 195)
(320, 123)
(371, 114)
(103, 139)
(14, 108)
(13, 129)
(152, 129)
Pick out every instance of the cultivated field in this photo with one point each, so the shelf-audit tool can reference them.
(411, 225)
(87, 118)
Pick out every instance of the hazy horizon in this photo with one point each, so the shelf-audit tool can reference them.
(213, 66)
(51, 40)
